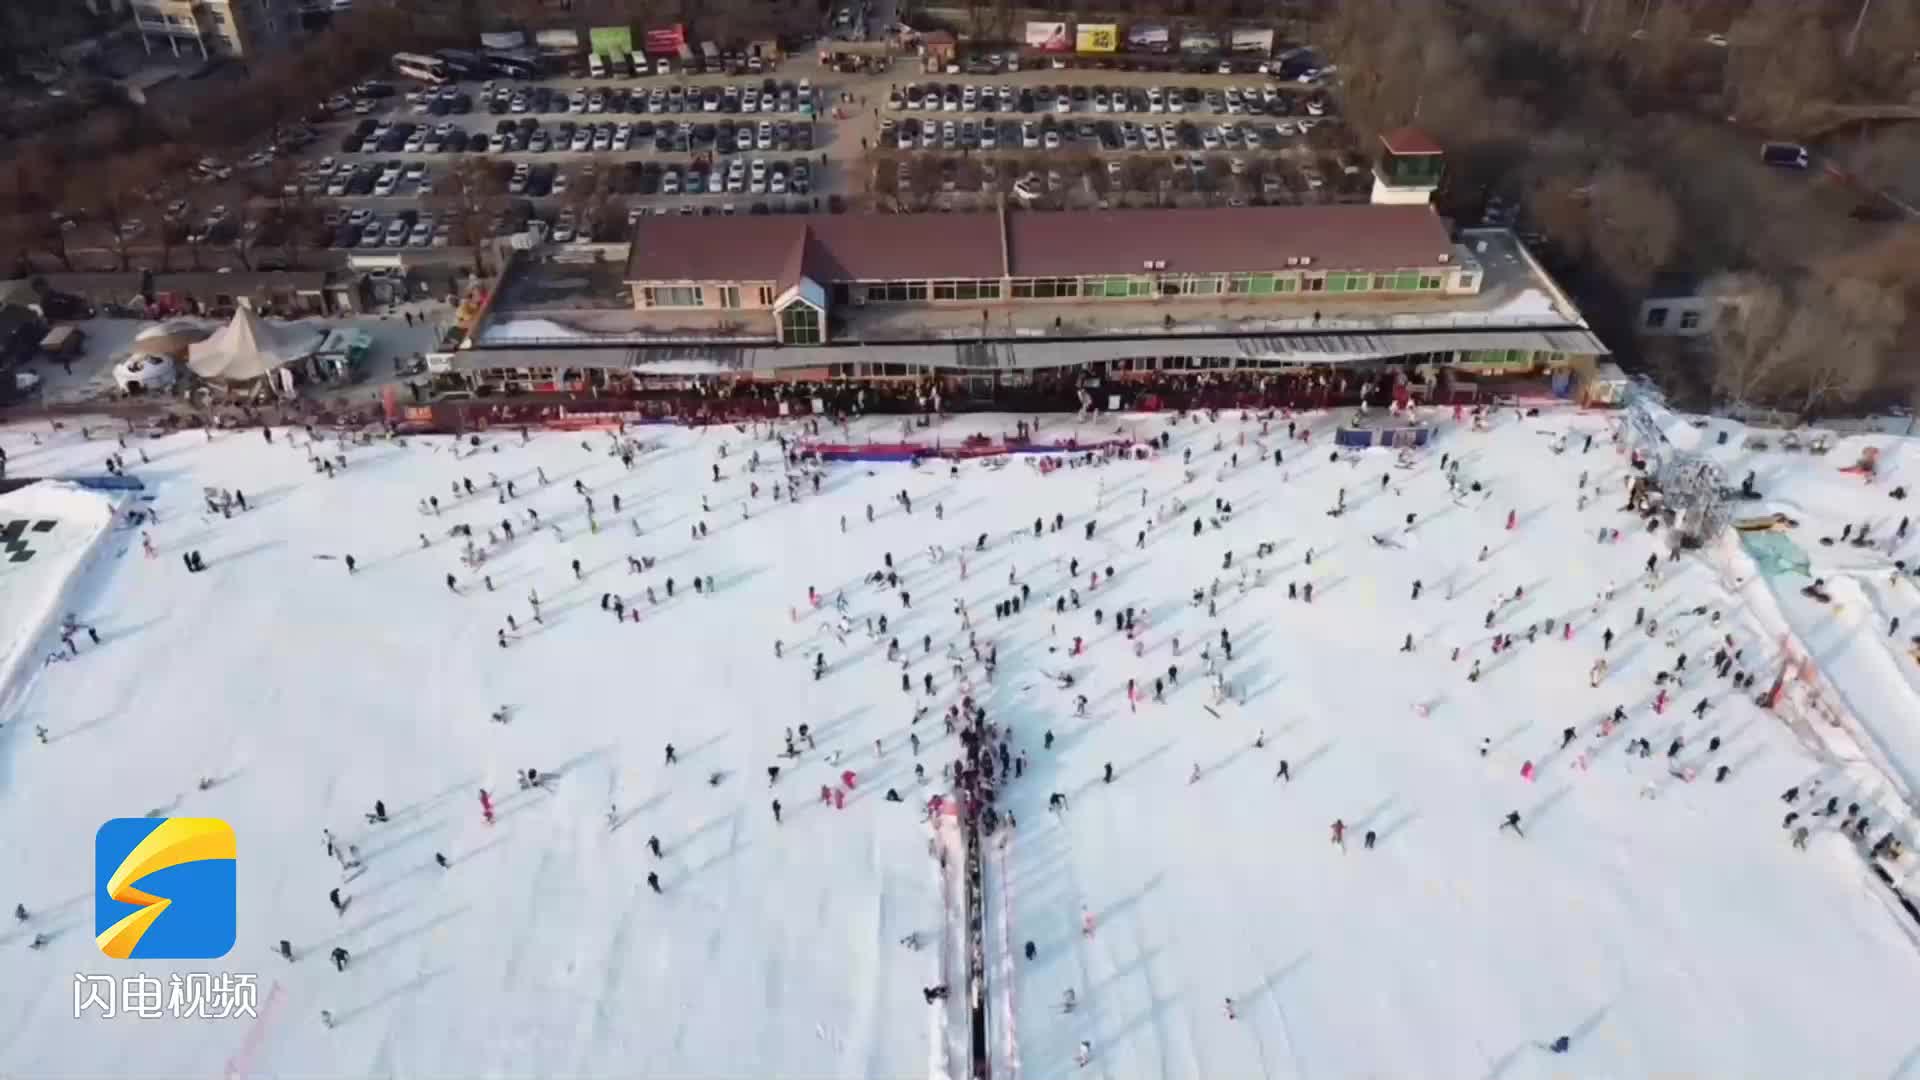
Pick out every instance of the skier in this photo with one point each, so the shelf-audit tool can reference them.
(339, 957)
(441, 859)
(486, 806)
(653, 882)
(653, 845)
(1340, 834)
(671, 757)
(1513, 822)
(339, 905)
(1083, 1054)
(1283, 773)
(1230, 1014)
(776, 811)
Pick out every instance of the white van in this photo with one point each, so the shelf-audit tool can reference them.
(596, 65)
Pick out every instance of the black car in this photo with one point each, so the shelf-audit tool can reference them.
(458, 142)
(365, 126)
(478, 143)
(350, 144)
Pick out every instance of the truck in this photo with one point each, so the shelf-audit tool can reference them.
(596, 65)
(710, 55)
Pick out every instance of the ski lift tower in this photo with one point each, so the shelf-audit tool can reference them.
(1692, 485)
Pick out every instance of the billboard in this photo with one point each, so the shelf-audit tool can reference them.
(667, 40)
(1149, 37)
(1248, 40)
(1096, 37)
(610, 40)
(1199, 41)
(511, 39)
(558, 40)
(1049, 37)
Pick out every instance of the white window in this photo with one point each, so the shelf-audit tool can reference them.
(669, 296)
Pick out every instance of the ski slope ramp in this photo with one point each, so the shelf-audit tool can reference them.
(50, 532)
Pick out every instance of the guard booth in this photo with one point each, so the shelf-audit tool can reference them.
(1408, 169)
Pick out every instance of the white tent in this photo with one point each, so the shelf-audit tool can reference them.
(249, 349)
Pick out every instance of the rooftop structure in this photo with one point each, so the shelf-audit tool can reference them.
(1018, 290)
(1408, 169)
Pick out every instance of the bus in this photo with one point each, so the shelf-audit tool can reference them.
(464, 65)
(509, 66)
(427, 69)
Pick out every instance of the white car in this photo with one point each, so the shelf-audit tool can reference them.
(421, 235)
(386, 183)
(1029, 137)
(582, 139)
(622, 138)
(559, 183)
(1051, 140)
(603, 139)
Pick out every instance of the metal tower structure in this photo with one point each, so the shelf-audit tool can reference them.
(1691, 484)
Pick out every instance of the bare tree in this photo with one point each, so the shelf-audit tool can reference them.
(467, 195)
(1636, 226)
(1752, 311)
(1838, 338)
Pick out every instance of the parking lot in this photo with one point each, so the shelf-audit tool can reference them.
(587, 156)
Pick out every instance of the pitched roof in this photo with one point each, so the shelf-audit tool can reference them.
(1226, 240)
(1410, 140)
(894, 247)
(836, 247)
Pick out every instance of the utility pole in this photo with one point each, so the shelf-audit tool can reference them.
(1853, 35)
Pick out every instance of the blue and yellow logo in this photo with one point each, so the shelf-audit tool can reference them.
(184, 906)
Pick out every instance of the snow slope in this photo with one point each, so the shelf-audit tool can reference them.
(48, 533)
(1677, 933)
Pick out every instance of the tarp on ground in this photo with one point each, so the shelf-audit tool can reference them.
(249, 349)
(1776, 554)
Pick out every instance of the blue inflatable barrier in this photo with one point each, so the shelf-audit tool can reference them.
(107, 483)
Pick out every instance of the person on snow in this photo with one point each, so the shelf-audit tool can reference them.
(1512, 821)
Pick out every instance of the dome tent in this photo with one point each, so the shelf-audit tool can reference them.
(249, 349)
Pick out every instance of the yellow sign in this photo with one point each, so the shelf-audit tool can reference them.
(1096, 37)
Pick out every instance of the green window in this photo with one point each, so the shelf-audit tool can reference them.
(1118, 286)
(1139, 287)
(1406, 282)
(1261, 284)
(800, 325)
(1336, 283)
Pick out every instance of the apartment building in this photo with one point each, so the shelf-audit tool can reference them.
(216, 28)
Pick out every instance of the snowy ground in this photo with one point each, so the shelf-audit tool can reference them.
(1666, 927)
